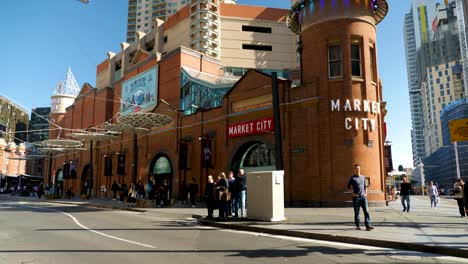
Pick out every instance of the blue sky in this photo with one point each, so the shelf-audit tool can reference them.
(41, 38)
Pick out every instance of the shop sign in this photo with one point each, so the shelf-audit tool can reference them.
(140, 92)
(458, 130)
(251, 127)
(355, 106)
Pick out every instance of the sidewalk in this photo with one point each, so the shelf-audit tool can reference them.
(424, 229)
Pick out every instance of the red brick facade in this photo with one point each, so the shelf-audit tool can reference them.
(319, 147)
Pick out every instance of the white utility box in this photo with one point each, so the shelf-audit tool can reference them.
(265, 195)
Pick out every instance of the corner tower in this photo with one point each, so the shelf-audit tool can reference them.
(64, 95)
(339, 55)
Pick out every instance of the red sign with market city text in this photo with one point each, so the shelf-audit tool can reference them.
(251, 127)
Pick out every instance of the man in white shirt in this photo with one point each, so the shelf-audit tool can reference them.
(433, 193)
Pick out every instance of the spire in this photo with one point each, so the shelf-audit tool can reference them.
(69, 86)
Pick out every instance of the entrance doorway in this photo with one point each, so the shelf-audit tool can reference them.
(254, 156)
(161, 175)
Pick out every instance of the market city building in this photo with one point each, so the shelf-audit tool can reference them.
(332, 120)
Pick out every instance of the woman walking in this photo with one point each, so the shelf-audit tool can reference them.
(223, 195)
(458, 190)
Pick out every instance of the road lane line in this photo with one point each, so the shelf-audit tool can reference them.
(94, 231)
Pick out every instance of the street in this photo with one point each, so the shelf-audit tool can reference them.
(37, 232)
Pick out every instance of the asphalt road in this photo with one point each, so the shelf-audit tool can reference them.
(37, 232)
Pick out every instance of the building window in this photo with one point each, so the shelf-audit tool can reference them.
(355, 58)
(257, 29)
(257, 47)
(165, 39)
(334, 61)
(372, 62)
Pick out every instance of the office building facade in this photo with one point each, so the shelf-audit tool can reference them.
(141, 13)
(39, 124)
(440, 166)
(13, 121)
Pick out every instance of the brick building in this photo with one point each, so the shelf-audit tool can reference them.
(330, 122)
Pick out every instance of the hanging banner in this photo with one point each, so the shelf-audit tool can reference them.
(107, 166)
(139, 93)
(121, 164)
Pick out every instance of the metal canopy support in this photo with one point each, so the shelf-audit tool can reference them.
(135, 157)
(91, 178)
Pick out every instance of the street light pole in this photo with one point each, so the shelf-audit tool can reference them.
(277, 122)
(421, 168)
(455, 147)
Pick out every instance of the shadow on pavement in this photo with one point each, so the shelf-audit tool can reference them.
(256, 253)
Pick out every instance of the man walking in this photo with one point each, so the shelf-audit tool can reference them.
(433, 193)
(405, 192)
(357, 185)
(241, 181)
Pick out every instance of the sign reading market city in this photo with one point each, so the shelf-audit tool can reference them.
(251, 127)
(140, 92)
(357, 105)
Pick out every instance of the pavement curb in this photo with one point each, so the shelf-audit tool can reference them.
(241, 226)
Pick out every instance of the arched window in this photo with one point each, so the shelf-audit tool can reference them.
(258, 157)
(162, 166)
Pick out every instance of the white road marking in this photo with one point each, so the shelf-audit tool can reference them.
(388, 250)
(94, 231)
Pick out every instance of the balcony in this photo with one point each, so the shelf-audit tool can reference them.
(204, 25)
(206, 2)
